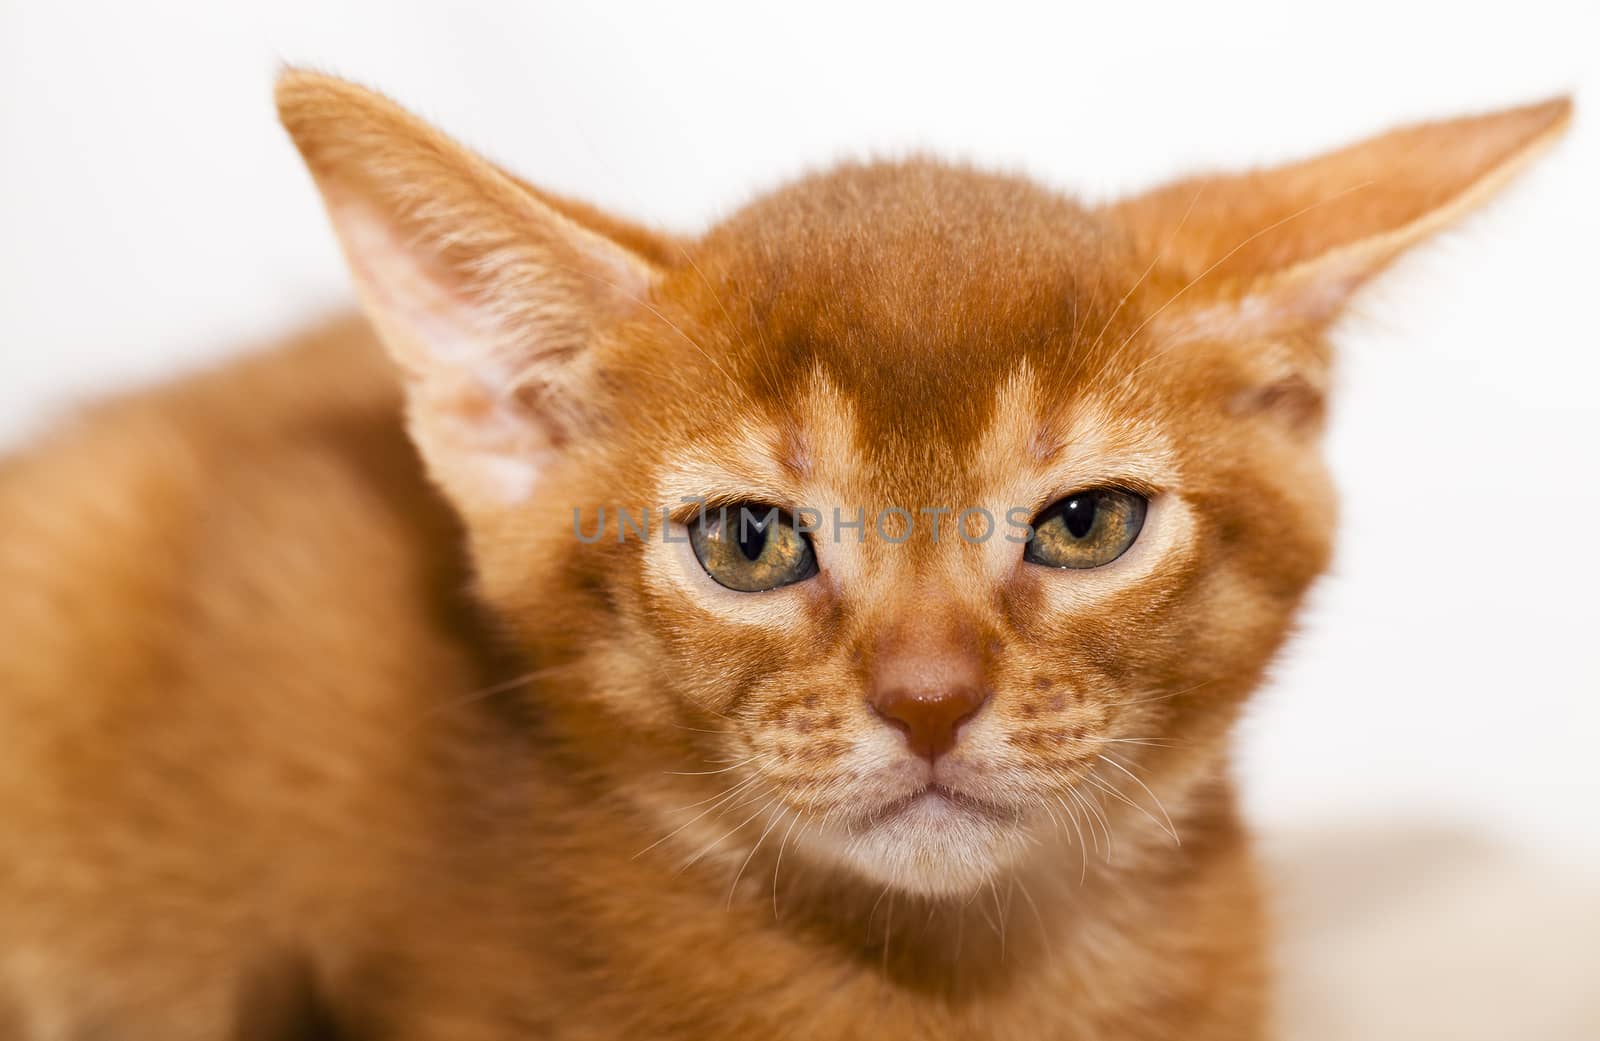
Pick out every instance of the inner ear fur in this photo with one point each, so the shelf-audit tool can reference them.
(488, 292)
(1261, 252)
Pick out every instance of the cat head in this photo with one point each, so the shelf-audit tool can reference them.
(919, 511)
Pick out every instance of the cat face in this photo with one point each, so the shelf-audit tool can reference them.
(875, 385)
(962, 518)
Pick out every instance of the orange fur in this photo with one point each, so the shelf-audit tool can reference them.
(295, 742)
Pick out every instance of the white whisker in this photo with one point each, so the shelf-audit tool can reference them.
(714, 843)
(778, 863)
(1171, 829)
(752, 854)
(715, 800)
(1112, 790)
(704, 773)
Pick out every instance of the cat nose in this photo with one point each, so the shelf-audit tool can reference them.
(927, 682)
(929, 718)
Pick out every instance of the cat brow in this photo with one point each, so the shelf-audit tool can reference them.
(1122, 453)
(706, 480)
(1085, 447)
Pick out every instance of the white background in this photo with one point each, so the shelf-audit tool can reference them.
(153, 216)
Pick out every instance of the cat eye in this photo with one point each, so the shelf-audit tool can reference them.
(1089, 529)
(752, 548)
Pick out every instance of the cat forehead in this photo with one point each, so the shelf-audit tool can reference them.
(917, 291)
(822, 446)
(902, 251)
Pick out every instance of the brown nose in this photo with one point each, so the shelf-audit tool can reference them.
(928, 687)
(930, 718)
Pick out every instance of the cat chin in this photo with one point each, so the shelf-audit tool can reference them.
(930, 848)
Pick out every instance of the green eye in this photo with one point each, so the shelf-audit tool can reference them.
(1089, 529)
(752, 548)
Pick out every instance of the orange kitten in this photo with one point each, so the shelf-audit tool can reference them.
(829, 626)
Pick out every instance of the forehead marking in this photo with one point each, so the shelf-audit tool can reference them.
(826, 429)
(742, 463)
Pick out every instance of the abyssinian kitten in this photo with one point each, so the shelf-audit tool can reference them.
(340, 705)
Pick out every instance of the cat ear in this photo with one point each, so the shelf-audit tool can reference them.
(487, 293)
(1280, 251)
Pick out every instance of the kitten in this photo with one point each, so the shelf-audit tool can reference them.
(985, 511)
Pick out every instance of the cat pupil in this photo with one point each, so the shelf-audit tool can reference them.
(1079, 515)
(752, 537)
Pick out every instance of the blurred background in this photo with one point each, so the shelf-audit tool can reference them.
(1447, 679)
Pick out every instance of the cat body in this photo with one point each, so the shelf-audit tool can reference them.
(320, 716)
(236, 803)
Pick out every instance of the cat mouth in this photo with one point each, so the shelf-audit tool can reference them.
(936, 801)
